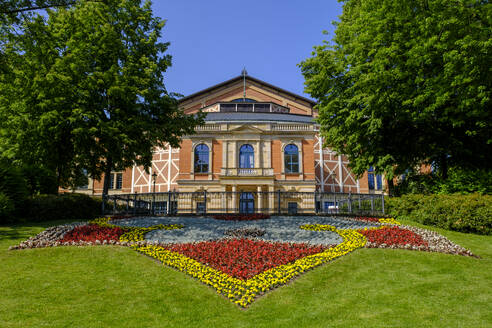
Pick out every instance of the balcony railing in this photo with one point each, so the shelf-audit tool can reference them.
(241, 172)
(292, 127)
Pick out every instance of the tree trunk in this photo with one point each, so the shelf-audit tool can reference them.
(391, 187)
(107, 175)
(58, 178)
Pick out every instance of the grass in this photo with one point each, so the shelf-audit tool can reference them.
(110, 286)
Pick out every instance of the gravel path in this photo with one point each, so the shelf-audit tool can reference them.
(278, 228)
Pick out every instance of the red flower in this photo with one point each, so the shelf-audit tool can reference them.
(393, 236)
(244, 258)
(92, 233)
(365, 218)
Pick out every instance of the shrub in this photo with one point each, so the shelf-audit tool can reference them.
(13, 185)
(464, 213)
(39, 180)
(76, 207)
(6, 208)
(462, 181)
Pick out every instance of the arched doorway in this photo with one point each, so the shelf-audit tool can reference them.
(246, 202)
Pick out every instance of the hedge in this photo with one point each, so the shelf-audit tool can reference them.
(463, 213)
(70, 206)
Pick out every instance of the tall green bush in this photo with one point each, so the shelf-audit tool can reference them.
(462, 181)
(39, 180)
(70, 206)
(6, 208)
(464, 213)
(13, 185)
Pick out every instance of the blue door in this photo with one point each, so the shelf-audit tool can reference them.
(246, 203)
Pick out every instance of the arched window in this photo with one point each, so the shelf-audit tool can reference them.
(291, 159)
(243, 100)
(246, 157)
(201, 158)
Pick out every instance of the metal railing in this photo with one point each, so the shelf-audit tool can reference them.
(273, 202)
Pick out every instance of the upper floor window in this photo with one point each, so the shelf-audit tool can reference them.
(246, 157)
(371, 177)
(291, 159)
(201, 158)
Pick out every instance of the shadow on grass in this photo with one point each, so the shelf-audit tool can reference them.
(14, 233)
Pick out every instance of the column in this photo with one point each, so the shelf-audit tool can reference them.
(258, 163)
(224, 200)
(260, 200)
(225, 145)
(234, 199)
(271, 199)
(268, 154)
(234, 154)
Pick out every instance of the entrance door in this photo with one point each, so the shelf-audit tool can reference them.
(246, 203)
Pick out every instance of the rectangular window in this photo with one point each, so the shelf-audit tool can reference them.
(119, 180)
(111, 181)
(379, 182)
(370, 178)
(292, 207)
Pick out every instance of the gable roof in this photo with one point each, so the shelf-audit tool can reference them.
(239, 78)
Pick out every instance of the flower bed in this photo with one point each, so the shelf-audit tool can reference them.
(237, 267)
(243, 292)
(244, 258)
(244, 233)
(241, 217)
(92, 233)
(138, 234)
(377, 220)
(393, 236)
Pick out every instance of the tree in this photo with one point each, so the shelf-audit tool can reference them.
(86, 90)
(405, 83)
(15, 7)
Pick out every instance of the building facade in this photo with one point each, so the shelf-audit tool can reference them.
(257, 139)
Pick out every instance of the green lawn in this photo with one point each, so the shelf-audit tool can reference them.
(109, 286)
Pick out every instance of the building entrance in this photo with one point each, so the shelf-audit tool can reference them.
(246, 203)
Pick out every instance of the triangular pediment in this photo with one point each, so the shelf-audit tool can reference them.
(246, 128)
(245, 87)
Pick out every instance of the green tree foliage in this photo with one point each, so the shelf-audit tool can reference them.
(11, 7)
(462, 181)
(405, 83)
(85, 90)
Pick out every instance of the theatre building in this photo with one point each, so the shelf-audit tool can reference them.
(257, 139)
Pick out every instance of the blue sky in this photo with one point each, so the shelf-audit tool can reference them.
(212, 40)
